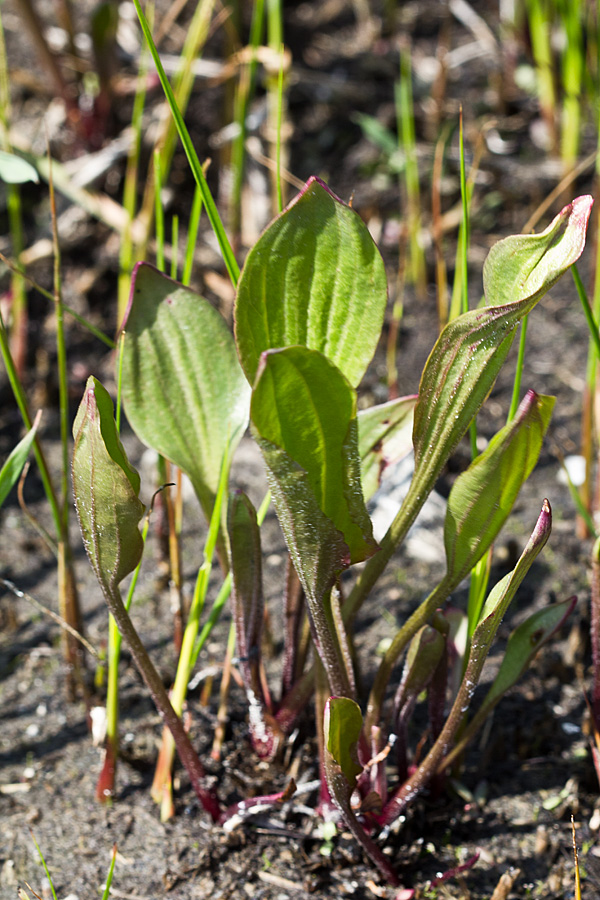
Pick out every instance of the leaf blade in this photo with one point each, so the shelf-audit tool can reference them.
(303, 414)
(106, 500)
(314, 278)
(13, 466)
(384, 436)
(483, 496)
(183, 389)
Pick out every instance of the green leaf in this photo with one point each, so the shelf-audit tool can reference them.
(470, 351)
(15, 170)
(12, 468)
(248, 607)
(314, 278)
(106, 491)
(502, 593)
(246, 570)
(496, 605)
(342, 727)
(423, 655)
(483, 496)
(523, 644)
(183, 389)
(384, 436)
(303, 414)
(525, 266)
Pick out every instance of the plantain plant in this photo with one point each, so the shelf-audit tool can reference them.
(308, 314)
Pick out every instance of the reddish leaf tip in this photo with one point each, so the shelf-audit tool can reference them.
(580, 208)
(314, 179)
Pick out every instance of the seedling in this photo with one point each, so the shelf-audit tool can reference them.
(308, 316)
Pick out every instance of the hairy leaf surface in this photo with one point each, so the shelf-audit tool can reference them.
(303, 415)
(106, 491)
(184, 392)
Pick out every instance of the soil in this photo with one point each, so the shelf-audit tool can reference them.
(531, 768)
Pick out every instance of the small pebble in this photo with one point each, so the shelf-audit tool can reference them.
(595, 820)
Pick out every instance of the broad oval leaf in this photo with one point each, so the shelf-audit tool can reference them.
(303, 414)
(183, 389)
(384, 436)
(12, 468)
(314, 278)
(342, 727)
(483, 496)
(106, 491)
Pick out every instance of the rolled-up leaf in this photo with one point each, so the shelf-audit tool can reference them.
(470, 351)
(106, 489)
(467, 357)
(248, 607)
(495, 607)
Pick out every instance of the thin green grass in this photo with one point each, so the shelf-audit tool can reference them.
(43, 862)
(243, 97)
(406, 130)
(126, 253)
(15, 219)
(197, 171)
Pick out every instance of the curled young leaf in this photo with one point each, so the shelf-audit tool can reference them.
(341, 729)
(424, 653)
(248, 607)
(106, 490)
(495, 607)
(525, 266)
(464, 363)
(470, 351)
